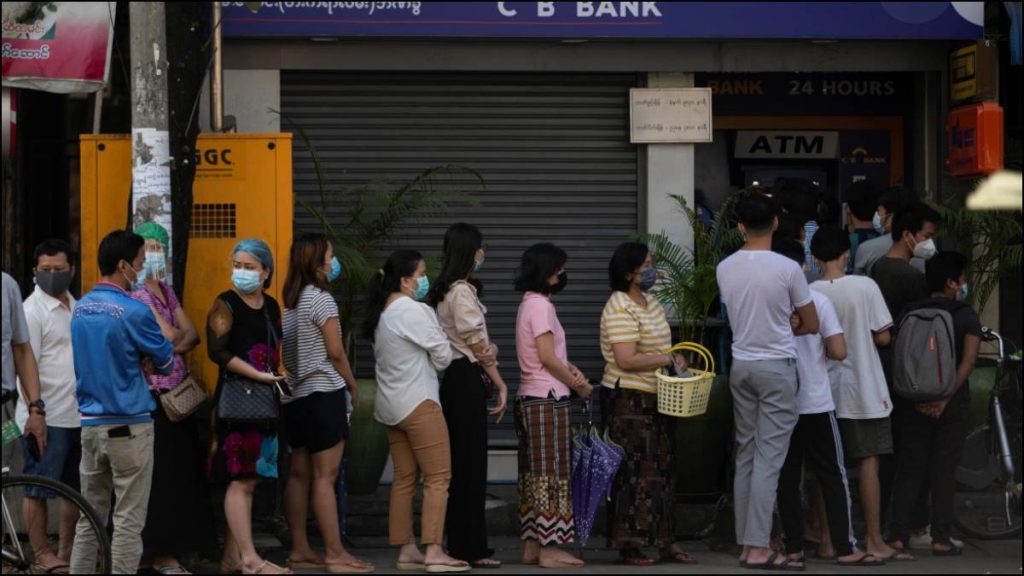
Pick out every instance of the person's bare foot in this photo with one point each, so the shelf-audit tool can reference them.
(347, 559)
(531, 552)
(411, 555)
(744, 554)
(827, 552)
(552, 557)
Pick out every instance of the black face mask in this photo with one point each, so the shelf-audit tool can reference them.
(563, 279)
(53, 283)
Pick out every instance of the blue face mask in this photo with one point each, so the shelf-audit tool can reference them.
(155, 264)
(877, 223)
(648, 279)
(962, 293)
(422, 288)
(335, 272)
(140, 279)
(247, 281)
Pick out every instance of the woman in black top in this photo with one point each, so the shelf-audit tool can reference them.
(243, 332)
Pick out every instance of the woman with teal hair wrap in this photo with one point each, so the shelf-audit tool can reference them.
(179, 526)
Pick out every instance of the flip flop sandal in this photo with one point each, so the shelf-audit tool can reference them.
(900, 556)
(349, 568)
(58, 568)
(486, 563)
(179, 569)
(680, 558)
(784, 566)
(865, 560)
(410, 566)
(954, 551)
(633, 557)
(305, 565)
(457, 566)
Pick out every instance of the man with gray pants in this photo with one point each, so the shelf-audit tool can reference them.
(116, 340)
(768, 302)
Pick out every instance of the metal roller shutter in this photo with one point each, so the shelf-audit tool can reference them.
(554, 152)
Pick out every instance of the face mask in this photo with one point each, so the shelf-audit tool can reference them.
(140, 278)
(477, 265)
(247, 281)
(335, 272)
(925, 250)
(422, 287)
(155, 264)
(563, 279)
(962, 293)
(648, 279)
(53, 283)
(877, 223)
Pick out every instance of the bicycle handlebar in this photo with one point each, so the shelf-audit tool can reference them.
(990, 334)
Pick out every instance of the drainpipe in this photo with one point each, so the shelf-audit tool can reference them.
(216, 76)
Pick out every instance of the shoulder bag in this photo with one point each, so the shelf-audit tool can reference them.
(245, 400)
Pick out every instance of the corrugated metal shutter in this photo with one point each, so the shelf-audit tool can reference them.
(554, 152)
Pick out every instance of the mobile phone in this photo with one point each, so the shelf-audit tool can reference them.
(33, 446)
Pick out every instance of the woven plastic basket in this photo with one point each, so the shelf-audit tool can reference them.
(686, 397)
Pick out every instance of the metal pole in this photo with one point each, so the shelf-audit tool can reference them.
(151, 159)
(216, 77)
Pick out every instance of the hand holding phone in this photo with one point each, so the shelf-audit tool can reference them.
(32, 443)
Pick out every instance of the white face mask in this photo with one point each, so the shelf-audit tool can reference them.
(925, 250)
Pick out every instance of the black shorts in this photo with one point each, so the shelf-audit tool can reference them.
(318, 421)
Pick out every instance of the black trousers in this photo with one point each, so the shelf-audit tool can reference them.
(464, 402)
(817, 443)
(887, 464)
(929, 452)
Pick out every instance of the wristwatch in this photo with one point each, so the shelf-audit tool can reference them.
(38, 405)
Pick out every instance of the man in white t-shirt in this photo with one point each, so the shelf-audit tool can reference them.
(816, 440)
(858, 382)
(761, 290)
(48, 316)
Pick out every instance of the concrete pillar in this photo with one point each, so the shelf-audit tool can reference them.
(670, 170)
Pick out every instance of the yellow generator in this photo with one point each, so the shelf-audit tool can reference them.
(243, 189)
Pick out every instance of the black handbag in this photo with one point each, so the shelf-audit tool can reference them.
(245, 400)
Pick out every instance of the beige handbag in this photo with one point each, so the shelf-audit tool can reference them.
(184, 399)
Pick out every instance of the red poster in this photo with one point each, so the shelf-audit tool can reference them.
(57, 46)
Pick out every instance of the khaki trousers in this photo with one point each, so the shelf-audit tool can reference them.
(419, 444)
(122, 466)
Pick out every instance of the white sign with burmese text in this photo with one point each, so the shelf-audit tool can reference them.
(669, 115)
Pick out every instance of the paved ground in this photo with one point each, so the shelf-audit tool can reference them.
(980, 557)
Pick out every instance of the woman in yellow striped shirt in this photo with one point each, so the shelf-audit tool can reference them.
(634, 337)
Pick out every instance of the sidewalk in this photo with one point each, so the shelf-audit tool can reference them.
(980, 557)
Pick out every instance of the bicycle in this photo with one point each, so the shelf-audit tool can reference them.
(988, 497)
(15, 553)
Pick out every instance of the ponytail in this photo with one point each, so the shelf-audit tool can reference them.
(386, 282)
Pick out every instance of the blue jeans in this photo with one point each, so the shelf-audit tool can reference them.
(59, 461)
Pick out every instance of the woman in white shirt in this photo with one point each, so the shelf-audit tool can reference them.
(410, 347)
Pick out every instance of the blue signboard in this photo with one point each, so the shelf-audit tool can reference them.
(579, 20)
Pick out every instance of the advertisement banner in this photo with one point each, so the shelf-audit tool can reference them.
(60, 47)
(580, 20)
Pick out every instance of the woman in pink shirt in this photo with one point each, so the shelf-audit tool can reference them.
(542, 411)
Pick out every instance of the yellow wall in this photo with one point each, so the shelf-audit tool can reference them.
(251, 173)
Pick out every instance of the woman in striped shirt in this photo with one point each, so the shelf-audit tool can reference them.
(315, 412)
(634, 338)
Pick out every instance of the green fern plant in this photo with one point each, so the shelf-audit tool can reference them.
(991, 241)
(361, 220)
(688, 283)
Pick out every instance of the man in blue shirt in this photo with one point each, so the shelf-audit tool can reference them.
(113, 336)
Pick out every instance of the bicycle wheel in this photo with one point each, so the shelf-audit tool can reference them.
(17, 550)
(987, 505)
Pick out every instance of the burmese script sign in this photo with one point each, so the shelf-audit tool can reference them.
(669, 115)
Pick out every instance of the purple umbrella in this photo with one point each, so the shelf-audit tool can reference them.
(595, 461)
